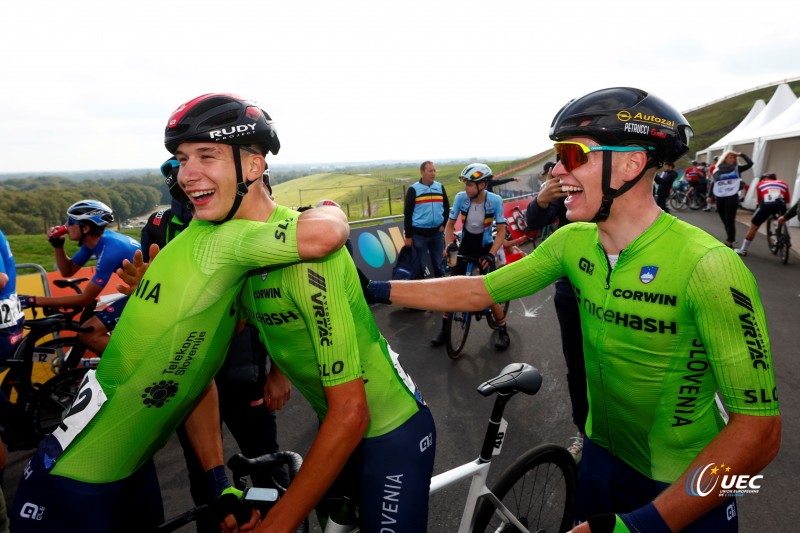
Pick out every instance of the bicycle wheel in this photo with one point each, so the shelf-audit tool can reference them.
(677, 201)
(696, 201)
(538, 488)
(772, 234)
(784, 243)
(54, 397)
(490, 318)
(456, 330)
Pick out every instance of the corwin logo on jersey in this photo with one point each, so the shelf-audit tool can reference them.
(159, 393)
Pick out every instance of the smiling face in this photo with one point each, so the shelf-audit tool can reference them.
(583, 185)
(208, 177)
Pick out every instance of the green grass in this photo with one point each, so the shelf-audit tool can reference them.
(36, 249)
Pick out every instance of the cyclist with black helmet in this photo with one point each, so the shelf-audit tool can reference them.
(87, 224)
(669, 315)
(481, 211)
(171, 340)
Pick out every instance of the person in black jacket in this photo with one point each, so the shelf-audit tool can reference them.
(664, 181)
(548, 208)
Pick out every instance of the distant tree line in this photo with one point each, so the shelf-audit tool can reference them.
(31, 205)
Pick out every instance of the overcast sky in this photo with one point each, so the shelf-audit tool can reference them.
(90, 84)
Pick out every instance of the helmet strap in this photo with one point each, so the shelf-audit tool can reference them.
(242, 186)
(608, 193)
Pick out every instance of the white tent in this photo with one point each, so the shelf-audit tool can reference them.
(772, 138)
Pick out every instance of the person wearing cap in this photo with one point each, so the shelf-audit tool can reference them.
(669, 316)
(172, 338)
(425, 209)
(546, 208)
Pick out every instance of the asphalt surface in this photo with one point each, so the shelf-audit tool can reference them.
(461, 413)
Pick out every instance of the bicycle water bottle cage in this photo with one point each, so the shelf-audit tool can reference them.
(516, 377)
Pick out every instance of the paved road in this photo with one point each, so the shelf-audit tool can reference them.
(461, 414)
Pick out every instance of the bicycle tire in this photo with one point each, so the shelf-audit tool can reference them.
(54, 397)
(784, 243)
(772, 235)
(539, 488)
(677, 201)
(696, 201)
(456, 330)
(490, 317)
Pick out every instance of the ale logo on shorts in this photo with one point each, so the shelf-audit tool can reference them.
(159, 393)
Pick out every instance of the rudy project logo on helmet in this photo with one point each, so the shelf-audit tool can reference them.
(704, 479)
(224, 134)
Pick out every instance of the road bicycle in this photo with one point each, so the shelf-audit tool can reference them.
(536, 493)
(31, 408)
(678, 198)
(456, 327)
(778, 238)
(695, 198)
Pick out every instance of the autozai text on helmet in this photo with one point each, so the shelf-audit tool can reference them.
(625, 116)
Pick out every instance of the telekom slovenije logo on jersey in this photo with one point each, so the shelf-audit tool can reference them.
(705, 480)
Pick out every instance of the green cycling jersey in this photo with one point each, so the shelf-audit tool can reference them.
(677, 318)
(319, 330)
(169, 344)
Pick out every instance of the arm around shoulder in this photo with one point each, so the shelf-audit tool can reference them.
(321, 231)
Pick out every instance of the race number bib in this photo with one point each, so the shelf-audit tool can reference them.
(10, 313)
(87, 403)
(409, 383)
(726, 187)
(773, 196)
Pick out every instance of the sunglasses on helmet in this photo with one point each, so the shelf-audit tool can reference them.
(168, 167)
(574, 154)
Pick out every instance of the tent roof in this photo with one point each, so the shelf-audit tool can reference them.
(757, 108)
(781, 101)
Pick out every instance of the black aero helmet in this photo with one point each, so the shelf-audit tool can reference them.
(624, 115)
(223, 118)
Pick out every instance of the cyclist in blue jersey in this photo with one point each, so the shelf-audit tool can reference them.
(87, 223)
(669, 316)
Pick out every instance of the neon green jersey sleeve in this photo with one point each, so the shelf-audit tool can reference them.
(677, 318)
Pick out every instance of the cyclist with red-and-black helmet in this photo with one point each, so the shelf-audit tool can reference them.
(669, 315)
(171, 340)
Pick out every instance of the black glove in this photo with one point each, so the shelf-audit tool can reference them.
(56, 242)
(375, 292)
(488, 259)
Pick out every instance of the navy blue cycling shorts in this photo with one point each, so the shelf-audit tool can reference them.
(109, 315)
(390, 477)
(46, 503)
(607, 485)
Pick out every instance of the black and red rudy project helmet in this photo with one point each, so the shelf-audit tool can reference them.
(624, 116)
(222, 118)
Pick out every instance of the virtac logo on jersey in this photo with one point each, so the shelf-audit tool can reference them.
(648, 274)
(703, 480)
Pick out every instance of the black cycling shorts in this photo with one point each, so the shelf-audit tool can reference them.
(764, 211)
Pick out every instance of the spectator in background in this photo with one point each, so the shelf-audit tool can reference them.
(727, 182)
(773, 195)
(548, 208)
(710, 173)
(664, 181)
(426, 208)
(496, 183)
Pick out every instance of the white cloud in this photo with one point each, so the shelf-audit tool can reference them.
(90, 84)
